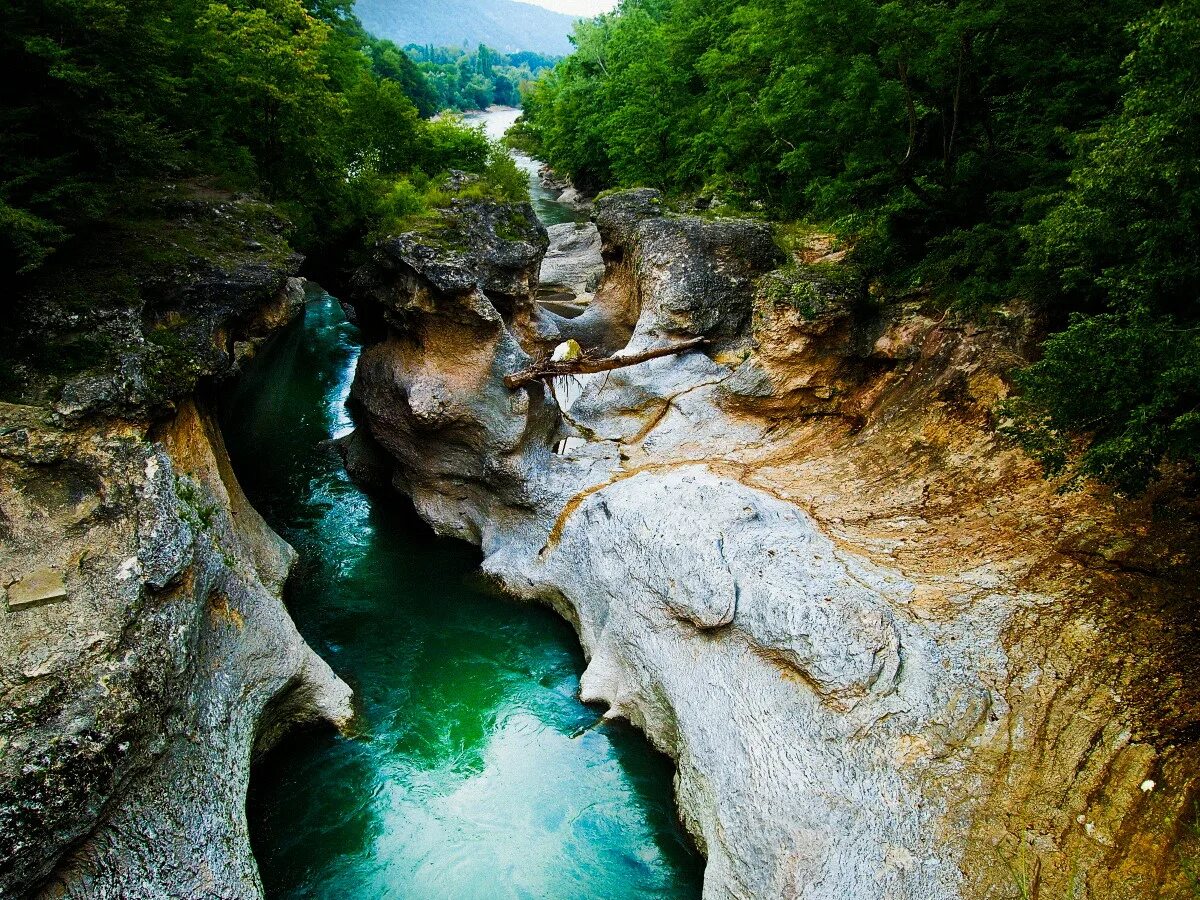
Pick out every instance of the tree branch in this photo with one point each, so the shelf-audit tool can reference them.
(910, 155)
(910, 110)
(544, 369)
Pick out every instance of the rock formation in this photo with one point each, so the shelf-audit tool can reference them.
(565, 192)
(573, 265)
(888, 658)
(146, 652)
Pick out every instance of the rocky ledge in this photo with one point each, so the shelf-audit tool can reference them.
(564, 191)
(147, 655)
(888, 658)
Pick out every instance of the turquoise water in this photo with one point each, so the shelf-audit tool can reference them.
(475, 773)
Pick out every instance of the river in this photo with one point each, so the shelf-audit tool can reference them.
(496, 121)
(474, 771)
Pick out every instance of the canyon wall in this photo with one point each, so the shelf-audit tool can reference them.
(146, 652)
(888, 658)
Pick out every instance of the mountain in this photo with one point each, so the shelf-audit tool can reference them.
(503, 25)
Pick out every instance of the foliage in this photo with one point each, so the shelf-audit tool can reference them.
(460, 79)
(87, 90)
(390, 63)
(507, 181)
(929, 131)
(409, 200)
(263, 68)
(103, 99)
(449, 145)
(1123, 246)
(975, 149)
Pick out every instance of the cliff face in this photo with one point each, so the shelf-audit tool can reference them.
(146, 651)
(888, 658)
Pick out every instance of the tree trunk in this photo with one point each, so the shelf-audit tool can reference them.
(543, 370)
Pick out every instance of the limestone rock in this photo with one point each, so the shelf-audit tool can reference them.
(694, 277)
(573, 198)
(131, 705)
(494, 248)
(803, 565)
(694, 595)
(573, 260)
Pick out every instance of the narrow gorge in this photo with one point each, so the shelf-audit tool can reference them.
(888, 658)
(783, 615)
(471, 758)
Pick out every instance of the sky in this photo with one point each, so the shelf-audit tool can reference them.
(576, 7)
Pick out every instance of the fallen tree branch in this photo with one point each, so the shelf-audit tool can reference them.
(546, 368)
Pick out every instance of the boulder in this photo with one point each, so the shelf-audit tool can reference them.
(693, 277)
(573, 260)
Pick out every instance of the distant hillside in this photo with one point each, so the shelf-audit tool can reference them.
(501, 24)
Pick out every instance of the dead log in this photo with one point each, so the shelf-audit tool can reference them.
(546, 368)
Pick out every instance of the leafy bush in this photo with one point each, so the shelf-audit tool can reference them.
(402, 204)
(403, 200)
(446, 144)
(1131, 385)
(505, 178)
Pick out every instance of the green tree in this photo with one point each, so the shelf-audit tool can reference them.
(264, 63)
(390, 63)
(103, 99)
(87, 98)
(382, 126)
(929, 132)
(1123, 245)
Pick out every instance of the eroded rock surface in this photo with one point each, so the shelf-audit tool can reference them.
(573, 261)
(888, 659)
(133, 700)
(567, 193)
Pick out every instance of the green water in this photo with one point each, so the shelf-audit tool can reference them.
(471, 778)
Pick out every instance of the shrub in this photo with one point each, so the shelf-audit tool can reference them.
(505, 178)
(445, 143)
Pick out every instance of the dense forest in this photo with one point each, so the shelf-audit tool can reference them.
(105, 101)
(974, 152)
(461, 79)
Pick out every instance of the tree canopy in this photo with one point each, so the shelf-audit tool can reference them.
(973, 150)
(290, 98)
(1120, 248)
(463, 79)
